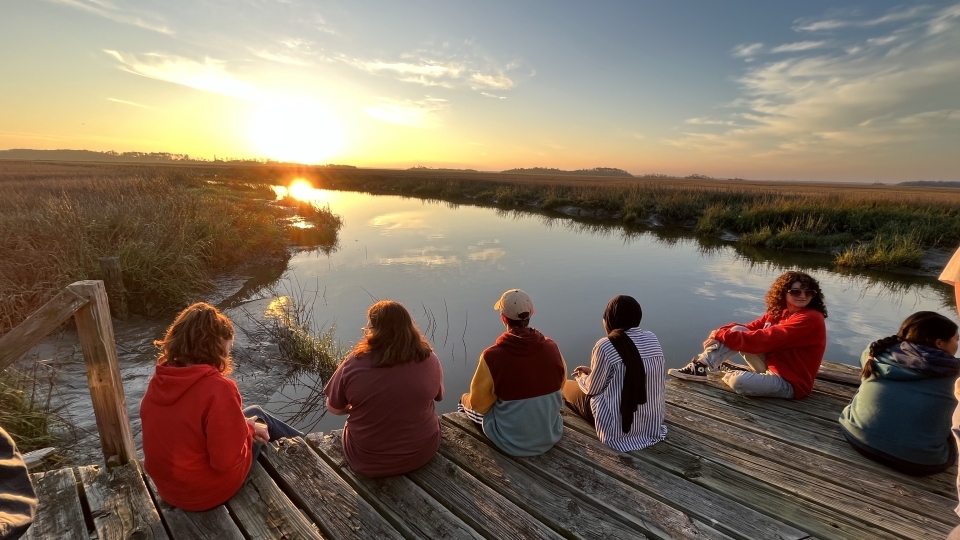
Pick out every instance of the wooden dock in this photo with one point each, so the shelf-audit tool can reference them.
(731, 467)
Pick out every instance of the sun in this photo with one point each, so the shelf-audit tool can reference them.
(298, 131)
(301, 190)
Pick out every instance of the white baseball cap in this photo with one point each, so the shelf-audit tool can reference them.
(515, 303)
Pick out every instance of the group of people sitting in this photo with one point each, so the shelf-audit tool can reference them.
(200, 443)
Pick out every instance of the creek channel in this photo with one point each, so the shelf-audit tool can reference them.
(448, 264)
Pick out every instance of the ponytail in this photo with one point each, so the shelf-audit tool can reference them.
(878, 347)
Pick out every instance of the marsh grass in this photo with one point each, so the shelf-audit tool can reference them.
(171, 229)
(865, 220)
(25, 407)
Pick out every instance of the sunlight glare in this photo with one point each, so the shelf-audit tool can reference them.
(301, 190)
(298, 131)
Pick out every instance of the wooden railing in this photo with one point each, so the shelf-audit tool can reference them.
(86, 302)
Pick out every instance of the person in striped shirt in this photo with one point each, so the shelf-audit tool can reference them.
(622, 392)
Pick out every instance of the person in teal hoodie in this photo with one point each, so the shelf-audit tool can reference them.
(901, 415)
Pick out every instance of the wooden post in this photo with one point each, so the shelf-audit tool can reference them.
(116, 292)
(95, 330)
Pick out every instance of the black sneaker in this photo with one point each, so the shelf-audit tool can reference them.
(694, 371)
(729, 367)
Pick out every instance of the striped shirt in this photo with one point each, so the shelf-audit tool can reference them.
(605, 384)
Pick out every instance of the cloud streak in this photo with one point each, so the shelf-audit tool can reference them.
(209, 75)
(124, 16)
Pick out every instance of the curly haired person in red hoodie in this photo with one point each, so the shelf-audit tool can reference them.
(199, 443)
(784, 347)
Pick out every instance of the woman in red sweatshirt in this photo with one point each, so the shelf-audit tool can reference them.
(199, 443)
(783, 348)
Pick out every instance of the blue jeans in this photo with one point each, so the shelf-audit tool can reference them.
(757, 383)
(275, 427)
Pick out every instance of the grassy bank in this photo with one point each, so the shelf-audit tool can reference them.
(172, 230)
(865, 226)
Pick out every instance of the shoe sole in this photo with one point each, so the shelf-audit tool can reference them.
(678, 374)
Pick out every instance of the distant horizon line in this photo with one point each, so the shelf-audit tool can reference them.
(609, 172)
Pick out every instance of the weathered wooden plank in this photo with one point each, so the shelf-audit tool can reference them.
(479, 506)
(725, 514)
(120, 503)
(95, 330)
(213, 524)
(265, 513)
(41, 322)
(655, 518)
(751, 454)
(36, 457)
(839, 391)
(59, 514)
(828, 444)
(329, 501)
(560, 509)
(839, 373)
(411, 510)
(766, 408)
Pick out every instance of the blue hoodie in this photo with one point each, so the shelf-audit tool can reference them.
(905, 411)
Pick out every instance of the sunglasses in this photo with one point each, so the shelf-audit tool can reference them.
(797, 293)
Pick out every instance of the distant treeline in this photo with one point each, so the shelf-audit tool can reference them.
(596, 171)
(128, 157)
(931, 183)
(441, 169)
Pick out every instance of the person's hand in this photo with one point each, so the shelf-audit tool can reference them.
(581, 370)
(260, 432)
(711, 340)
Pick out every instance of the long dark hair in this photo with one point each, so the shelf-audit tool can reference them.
(197, 336)
(921, 328)
(777, 295)
(393, 335)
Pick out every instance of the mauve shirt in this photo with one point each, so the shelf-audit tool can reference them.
(393, 427)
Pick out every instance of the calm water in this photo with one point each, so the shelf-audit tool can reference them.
(448, 265)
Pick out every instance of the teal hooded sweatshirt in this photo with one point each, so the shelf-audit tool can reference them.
(901, 411)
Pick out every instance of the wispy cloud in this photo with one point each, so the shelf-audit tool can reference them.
(407, 112)
(854, 92)
(485, 94)
(745, 50)
(798, 46)
(209, 75)
(836, 23)
(290, 51)
(125, 102)
(442, 67)
(117, 14)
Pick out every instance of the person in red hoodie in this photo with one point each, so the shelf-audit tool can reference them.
(783, 348)
(199, 443)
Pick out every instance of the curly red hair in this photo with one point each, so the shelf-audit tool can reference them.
(777, 295)
(197, 336)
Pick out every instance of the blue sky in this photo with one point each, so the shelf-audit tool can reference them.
(778, 90)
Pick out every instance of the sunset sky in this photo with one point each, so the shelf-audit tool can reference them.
(814, 90)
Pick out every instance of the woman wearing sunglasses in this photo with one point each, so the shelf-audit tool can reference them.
(783, 348)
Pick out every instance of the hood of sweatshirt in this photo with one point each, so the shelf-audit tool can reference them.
(908, 361)
(169, 383)
(519, 341)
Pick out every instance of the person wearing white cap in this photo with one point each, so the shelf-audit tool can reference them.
(516, 392)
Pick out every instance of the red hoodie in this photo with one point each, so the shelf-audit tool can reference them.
(197, 446)
(793, 343)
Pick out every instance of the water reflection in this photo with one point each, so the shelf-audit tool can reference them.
(448, 264)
